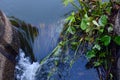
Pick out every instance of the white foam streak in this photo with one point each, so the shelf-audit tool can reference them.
(27, 69)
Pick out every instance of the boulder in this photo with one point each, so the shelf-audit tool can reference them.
(117, 24)
(117, 31)
(9, 48)
(118, 67)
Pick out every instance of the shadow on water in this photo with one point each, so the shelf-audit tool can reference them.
(42, 40)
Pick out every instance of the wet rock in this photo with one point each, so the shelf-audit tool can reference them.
(117, 31)
(9, 47)
(117, 24)
(118, 65)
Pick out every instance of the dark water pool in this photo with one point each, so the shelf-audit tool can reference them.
(48, 16)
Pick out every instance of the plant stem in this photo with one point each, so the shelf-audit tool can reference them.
(75, 5)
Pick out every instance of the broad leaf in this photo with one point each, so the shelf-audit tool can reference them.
(106, 40)
(95, 23)
(103, 20)
(66, 2)
(117, 40)
(83, 24)
(110, 29)
(71, 18)
(86, 16)
(90, 54)
(108, 10)
(97, 46)
(96, 64)
(71, 30)
(101, 30)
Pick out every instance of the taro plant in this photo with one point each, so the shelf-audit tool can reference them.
(92, 19)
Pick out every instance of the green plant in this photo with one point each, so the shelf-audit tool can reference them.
(92, 19)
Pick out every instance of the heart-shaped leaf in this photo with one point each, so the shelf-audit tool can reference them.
(106, 40)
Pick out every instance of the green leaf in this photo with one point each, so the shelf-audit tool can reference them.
(86, 16)
(56, 62)
(95, 23)
(71, 63)
(108, 10)
(71, 30)
(102, 54)
(90, 54)
(96, 64)
(88, 30)
(110, 29)
(117, 40)
(83, 24)
(87, 38)
(62, 43)
(106, 40)
(66, 2)
(97, 46)
(71, 18)
(103, 5)
(103, 20)
(111, 76)
(101, 30)
(74, 43)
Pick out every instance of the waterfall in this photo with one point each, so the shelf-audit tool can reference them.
(56, 65)
(25, 70)
(47, 69)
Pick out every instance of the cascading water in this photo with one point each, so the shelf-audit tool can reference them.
(47, 38)
(55, 66)
(48, 69)
(25, 70)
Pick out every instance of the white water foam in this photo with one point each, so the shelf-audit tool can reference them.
(26, 69)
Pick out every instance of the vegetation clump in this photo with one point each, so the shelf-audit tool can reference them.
(92, 22)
